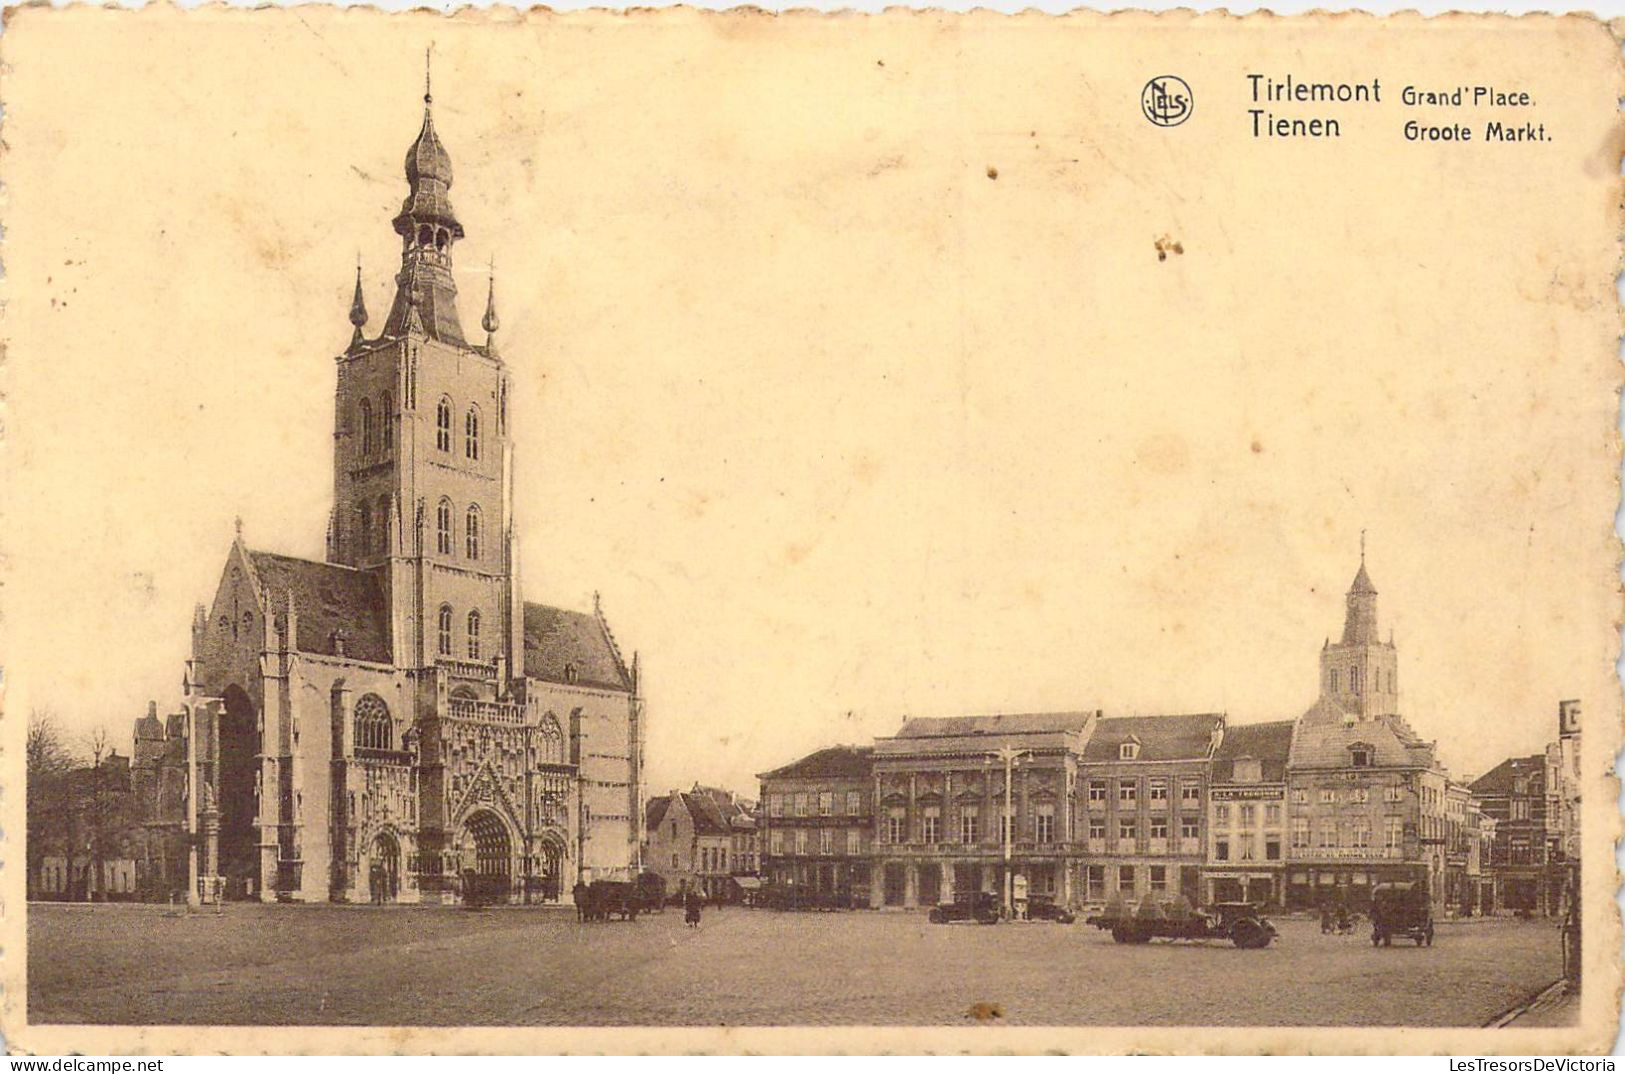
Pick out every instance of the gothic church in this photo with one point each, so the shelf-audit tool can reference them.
(397, 723)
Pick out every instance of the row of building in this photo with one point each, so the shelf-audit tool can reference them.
(1082, 807)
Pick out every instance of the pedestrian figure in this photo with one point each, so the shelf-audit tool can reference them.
(1325, 919)
(692, 904)
(579, 893)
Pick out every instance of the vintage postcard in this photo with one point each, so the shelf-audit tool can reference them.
(729, 532)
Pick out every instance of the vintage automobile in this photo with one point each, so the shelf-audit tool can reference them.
(1401, 909)
(1239, 922)
(604, 898)
(982, 908)
(1045, 908)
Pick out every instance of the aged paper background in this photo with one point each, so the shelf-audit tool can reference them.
(851, 375)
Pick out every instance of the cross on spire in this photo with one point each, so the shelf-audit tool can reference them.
(428, 85)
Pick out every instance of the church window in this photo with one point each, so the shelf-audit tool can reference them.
(471, 433)
(373, 729)
(472, 531)
(474, 635)
(445, 630)
(386, 418)
(364, 419)
(383, 524)
(442, 528)
(364, 536)
(442, 425)
(1331, 680)
(1354, 680)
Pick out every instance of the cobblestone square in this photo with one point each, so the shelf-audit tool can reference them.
(333, 965)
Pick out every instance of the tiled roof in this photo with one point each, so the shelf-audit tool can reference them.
(708, 819)
(1012, 724)
(1265, 742)
(654, 811)
(558, 642)
(1161, 738)
(841, 762)
(1325, 733)
(328, 599)
(1498, 780)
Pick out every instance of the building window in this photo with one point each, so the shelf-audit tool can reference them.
(474, 635)
(1128, 829)
(1128, 792)
(1249, 814)
(1221, 813)
(1328, 834)
(1097, 827)
(896, 825)
(969, 827)
(826, 841)
(1128, 751)
(1328, 796)
(383, 525)
(826, 803)
(1221, 850)
(1159, 827)
(1095, 883)
(442, 425)
(386, 417)
(373, 729)
(1360, 795)
(1300, 796)
(854, 841)
(1272, 848)
(775, 842)
(1189, 827)
(1272, 814)
(1354, 680)
(1157, 790)
(1360, 756)
(364, 420)
(471, 434)
(1044, 824)
(1159, 878)
(1097, 793)
(442, 528)
(364, 530)
(445, 630)
(1362, 833)
(801, 841)
(854, 803)
(471, 531)
(1125, 879)
(1331, 681)
(931, 825)
(1300, 832)
(775, 805)
(1190, 791)
(1393, 835)
(1392, 794)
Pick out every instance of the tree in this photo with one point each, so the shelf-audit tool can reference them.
(49, 820)
(98, 810)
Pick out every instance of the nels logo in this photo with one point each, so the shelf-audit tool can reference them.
(1167, 101)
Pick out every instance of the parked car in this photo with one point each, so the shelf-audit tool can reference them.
(1045, 908)
(1239, 922)
(982, 908)
(1401, 909)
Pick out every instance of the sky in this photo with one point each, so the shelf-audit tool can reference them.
(846, 372)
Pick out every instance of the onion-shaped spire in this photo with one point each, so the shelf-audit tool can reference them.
(490, 322)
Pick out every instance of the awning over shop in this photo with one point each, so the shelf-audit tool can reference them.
(748, 883)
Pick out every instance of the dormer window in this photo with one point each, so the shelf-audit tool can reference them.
(1247, 770)
(1128, 751)
(1360, 755)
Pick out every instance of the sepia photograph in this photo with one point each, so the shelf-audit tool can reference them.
(732, 532)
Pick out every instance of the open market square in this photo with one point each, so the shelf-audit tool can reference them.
(336, 965)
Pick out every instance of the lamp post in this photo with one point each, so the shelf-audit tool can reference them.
(1008, 754)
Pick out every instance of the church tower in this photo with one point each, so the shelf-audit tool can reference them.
(1361, 672)
(421, 449)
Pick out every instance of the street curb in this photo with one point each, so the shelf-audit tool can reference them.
(1507, 1017)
